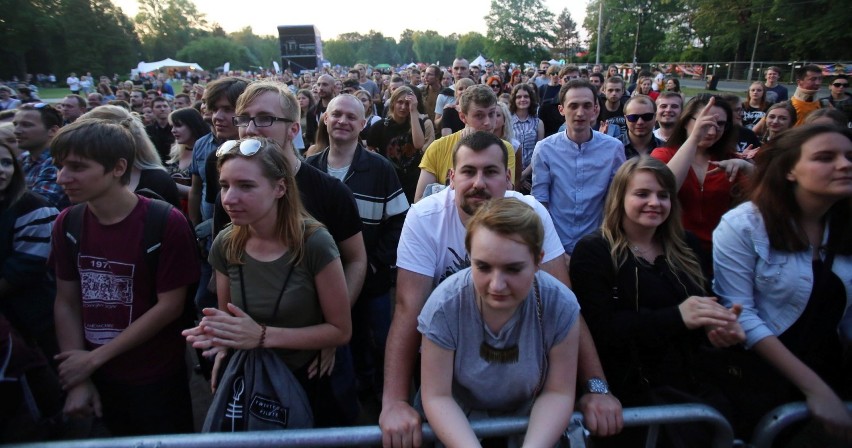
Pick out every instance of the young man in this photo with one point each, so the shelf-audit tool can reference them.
(382, 206)
(478, 110)
(35, 125)
(669, 107)
(572, 170)
(839, 99)
(775, 92)
(431, 248)
(641, 117)
(808, 81)
(160, 131)
(122, 354)
(612, 109)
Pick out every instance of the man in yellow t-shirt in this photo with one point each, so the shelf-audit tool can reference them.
(478, 112)
(808, 81)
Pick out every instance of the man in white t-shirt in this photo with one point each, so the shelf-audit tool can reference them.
(73, 83)
(431, 248)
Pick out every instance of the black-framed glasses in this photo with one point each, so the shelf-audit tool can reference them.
(247, 147)
(633, 118)
(263, 121)
(841, 85)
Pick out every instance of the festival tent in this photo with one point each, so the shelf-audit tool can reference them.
(479, 61)
(145, 67)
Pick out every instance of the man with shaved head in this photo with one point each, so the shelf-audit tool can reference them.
(382, 206)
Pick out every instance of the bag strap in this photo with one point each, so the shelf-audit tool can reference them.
(280, 294)
(539, 310)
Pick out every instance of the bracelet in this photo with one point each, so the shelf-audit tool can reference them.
(262, 336)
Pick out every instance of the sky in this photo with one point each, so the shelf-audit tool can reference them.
(388, 17)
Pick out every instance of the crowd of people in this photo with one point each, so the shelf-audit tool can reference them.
(442, 244)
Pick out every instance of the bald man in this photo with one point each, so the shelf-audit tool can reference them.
(326, 92)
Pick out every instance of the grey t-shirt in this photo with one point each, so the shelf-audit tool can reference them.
(300, 305)
(451, 320)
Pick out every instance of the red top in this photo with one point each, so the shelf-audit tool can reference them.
(702, 205)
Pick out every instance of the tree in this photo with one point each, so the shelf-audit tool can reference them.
(405, 47)
(632, 27)
(261, 50)
(429, 46)
(566, 40)
(212, 52)
(165, 26)
(471, 45)
(519, 30)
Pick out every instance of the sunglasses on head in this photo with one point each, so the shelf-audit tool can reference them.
(841, 84)
(247, 148)
(633, 118)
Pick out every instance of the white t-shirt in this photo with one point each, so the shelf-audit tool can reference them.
(432, 240)
(73, 83)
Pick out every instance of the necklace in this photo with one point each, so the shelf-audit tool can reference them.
(507, 355)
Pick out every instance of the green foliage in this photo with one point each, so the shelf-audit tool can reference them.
(471, 45)
(519, 30)
(566, 40)
(212, 52)
(166, 26)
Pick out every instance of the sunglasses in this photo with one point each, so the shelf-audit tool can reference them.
(264, 121)
(633, 118)
(841, 85)
(247, 148)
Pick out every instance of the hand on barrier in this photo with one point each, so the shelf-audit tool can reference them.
(602, 414)
(400, 425)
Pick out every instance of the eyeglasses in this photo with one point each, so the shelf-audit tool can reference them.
(633, 118)
(841, 85)
(247, 148)
(264, 121)
(489, 65)
(495, 86)
(34, 105)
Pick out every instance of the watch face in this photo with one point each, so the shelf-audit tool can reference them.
(598, 386)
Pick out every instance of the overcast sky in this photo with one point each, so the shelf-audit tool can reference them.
(388, 17)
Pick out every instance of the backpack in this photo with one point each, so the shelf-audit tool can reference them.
(156, 218)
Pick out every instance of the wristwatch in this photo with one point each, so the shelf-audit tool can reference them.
(596, 385)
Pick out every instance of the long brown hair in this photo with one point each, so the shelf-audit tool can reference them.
(679, 257)
(292, 224)
(725, 147)
(774, 194)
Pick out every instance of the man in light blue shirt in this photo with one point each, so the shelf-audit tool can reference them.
(572, 170)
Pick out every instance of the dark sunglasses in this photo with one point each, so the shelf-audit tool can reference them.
(633, 118)
(840, 84)
(247, 148)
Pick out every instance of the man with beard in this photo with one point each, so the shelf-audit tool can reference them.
(325, 92)
(640, 114)
(669, 106)
(431, 249)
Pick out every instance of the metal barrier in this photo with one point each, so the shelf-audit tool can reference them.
(371, 435)
(778, 419)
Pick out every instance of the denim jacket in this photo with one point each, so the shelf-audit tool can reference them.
(772, 286)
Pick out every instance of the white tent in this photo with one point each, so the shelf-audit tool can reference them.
(145, 67)
(479, 61)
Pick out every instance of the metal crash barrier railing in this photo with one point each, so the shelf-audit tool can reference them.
(779, 419)
(371, 435)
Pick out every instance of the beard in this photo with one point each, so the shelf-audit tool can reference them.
(470, 207)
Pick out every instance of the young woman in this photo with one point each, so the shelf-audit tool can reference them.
(400, 138)
(673, 85)
(306, 103)
(450, 120)
(495, 83)
(279, 278)
(187, 127)
(701, 154)
(755, 108)
(148, 171)
(370, 117)
(528, 130)
(643, 293)
(500, 337)
(643, 87)
(779, 117)
(26, 220)
(786, 258)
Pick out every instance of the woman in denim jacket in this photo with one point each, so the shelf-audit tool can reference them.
(786, 257)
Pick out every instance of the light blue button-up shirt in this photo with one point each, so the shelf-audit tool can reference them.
(573, 180)
(772, 286)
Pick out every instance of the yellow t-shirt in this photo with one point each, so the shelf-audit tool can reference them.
(438, 158)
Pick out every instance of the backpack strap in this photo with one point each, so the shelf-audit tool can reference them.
(156, 219)
(72, 227)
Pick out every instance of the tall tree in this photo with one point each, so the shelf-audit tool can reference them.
(519, 30)
(212, 52)
(165, 26)
(566, 40)
(471, 45)
(405, 47)
(429, 46)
